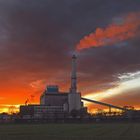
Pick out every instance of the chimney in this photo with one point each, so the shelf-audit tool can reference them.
(73, 88)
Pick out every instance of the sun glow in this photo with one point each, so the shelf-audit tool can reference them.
(7, 108)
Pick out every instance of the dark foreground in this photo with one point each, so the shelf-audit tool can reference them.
(104, 131)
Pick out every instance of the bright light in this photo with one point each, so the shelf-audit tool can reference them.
(7, 108)
(128, 82)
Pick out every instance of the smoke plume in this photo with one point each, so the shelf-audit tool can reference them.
(125, 28)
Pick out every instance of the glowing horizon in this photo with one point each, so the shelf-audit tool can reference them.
(128, 82)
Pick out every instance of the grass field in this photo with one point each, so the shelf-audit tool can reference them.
(106, 131)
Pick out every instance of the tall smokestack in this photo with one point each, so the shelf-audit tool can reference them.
(73, 88)
(74, 97)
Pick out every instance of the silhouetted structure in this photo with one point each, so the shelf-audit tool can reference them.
(64, 105)
(56, 104)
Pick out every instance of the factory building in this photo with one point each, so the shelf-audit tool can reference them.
(70, 100)
(53, 97)
(41, 111)
(56, 104)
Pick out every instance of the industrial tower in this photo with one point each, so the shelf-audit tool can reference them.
(74, 97)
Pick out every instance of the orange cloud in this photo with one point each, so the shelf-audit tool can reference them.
(113, 33)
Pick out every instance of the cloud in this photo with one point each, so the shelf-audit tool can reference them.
(36, 38)
(114, 33)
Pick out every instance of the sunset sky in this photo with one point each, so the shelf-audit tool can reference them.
(38, 38)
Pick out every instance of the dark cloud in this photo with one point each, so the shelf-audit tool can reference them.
(38, 36)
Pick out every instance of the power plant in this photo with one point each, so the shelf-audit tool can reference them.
(59, 105)
(54, 103)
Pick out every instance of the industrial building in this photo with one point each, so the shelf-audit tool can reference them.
(56, 104)
(60, 105)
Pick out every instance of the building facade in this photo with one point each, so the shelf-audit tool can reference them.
(56, 104)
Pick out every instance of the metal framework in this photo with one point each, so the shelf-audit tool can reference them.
(105, 104)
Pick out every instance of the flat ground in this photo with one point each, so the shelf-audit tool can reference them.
(105, 131)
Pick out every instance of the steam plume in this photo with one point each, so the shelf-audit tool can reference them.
(127, 28)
